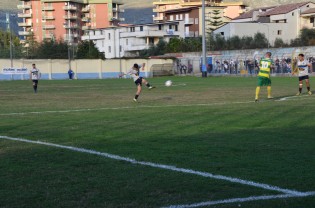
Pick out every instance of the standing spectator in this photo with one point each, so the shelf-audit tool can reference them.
(70, 73)
(35, 76)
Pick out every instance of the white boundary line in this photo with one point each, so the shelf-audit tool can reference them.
(161, 166)
(294, 97)
(121, 108)
(239, 200)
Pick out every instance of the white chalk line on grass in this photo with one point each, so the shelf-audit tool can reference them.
(165, 167)
(122, 108)
(294, 97)
(240, 200)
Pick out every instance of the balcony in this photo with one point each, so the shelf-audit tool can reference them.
(118, 10)
(49, 27)
(71, 8)
(24, 6)
(48, 17)
(189, 21)
(69, 38)
(70, 17)
(159, 10)
(74, 26)
(138, 47)
(86, 19)
(86, 27)
(189, 34)
(25, 15)
(192, 3)
(25, 24)
(86, 10)
(158, 18)
(119, 19)
(161, 2)
(48, 8)
(24, 33)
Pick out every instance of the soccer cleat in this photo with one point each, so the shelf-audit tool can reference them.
(151, 87)
(135, 100)
(256, 100)
(297, 94)
(270, 97)
(309, 92)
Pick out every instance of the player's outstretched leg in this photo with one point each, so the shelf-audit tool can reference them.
(139, 88)
(147, 84)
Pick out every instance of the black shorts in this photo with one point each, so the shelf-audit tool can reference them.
(139, 81)
(303, 78)
(35, 81)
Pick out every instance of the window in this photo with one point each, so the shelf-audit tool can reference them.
(108, 36)
(120, 48)
(176, 27)
(126, 41)
(132, 29)
(160, 27)
(177, 17)
(279, 32)
(151, 41)
(103, 43)
(312, 20)
(109, 49)
(292, 13)
(181, 16)
(171, 18)
(196, 21)
(222, 33)
(141, 28)
(170, 27)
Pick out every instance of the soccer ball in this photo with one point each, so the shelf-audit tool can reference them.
(168, 83)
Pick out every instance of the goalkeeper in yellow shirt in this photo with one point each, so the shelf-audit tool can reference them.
(264, 75)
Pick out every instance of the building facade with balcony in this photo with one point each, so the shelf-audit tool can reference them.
(163, 7)
(283, 21)
(66, 19)
(128, 41)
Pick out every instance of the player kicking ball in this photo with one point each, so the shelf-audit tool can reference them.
(264, 75)
(134, 73)
(301, 69)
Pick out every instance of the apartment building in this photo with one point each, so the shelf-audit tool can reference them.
(128, 41)
(66, 19)
(162, 7)
(283, 21)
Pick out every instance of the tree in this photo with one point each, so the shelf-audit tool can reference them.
(259, 41)
(307, 37)
(88, 50)
(279, 43)
(215, 20)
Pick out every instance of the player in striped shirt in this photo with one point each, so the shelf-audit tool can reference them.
(302, 67)
(264, 75)
(35, 76)
(134, 73)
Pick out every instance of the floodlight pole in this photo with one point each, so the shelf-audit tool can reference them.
(9, 30)
(204, 68)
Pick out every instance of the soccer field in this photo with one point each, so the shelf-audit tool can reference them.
(202, 142)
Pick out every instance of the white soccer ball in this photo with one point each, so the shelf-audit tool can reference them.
(168, 83)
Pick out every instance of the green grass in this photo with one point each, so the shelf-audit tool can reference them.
(208, 125)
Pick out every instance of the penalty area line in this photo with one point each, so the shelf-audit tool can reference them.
(240, 200)
(162, 166)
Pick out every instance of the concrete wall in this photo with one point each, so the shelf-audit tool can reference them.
(84, 69)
